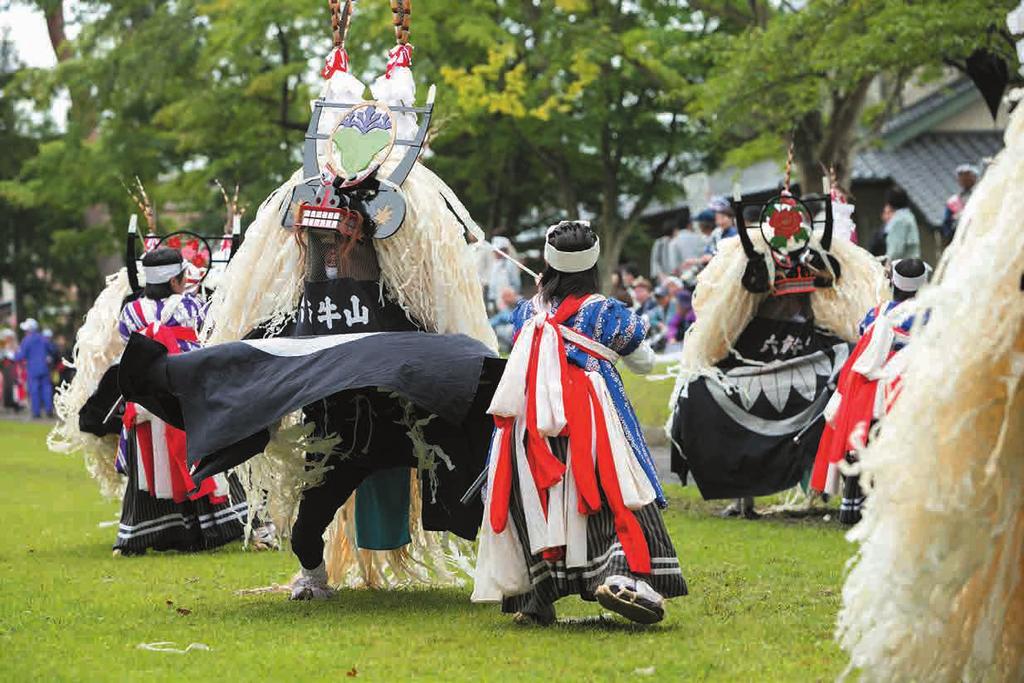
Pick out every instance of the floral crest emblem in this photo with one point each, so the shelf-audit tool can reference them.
(786, 224)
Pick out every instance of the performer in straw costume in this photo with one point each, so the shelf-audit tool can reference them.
(777, 310)
(338, 250)
(936, 591)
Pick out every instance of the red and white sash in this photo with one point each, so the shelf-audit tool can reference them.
(542, 395)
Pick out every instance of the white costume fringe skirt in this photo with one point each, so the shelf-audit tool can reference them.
(150, 523)
(605, 557)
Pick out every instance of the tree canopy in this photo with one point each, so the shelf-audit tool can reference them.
(546, 108)
(805, 74)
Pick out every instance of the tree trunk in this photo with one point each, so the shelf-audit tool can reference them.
(610, 252)
(836, 148)
(806, 139)
(55, 28)
(613, 232)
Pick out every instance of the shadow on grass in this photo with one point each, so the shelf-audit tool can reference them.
(358, 602)
(605, 623)
(92, 550)
(84, 550)
(689, 504)
(448, 603)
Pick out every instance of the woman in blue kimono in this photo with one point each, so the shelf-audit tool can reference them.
(572, 499)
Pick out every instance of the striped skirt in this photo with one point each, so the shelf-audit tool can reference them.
(605, 557)
(149, 523)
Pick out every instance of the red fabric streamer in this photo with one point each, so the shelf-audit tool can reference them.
(547, 470)
(579, 414)
(855, 412)
(501, 486)
(144, 440)
(628, 529)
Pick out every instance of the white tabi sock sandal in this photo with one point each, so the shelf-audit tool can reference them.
(633, 599)
(311, 584)
(264, 538)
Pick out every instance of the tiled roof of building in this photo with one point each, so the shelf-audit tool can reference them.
(955, 96)
(925, 166)
(910, 155)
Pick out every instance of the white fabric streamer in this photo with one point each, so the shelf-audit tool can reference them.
(167, 646)
(636, 488)
(501, 568)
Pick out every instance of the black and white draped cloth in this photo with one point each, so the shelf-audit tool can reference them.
(226, 396)
(758, 433)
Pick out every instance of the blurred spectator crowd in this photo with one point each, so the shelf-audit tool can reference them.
(30, 368)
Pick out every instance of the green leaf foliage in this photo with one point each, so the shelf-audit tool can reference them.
(545, 110)
(806, 73)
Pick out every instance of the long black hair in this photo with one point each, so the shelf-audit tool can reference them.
(554, 284)
(161, 256)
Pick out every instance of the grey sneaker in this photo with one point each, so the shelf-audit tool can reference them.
(311, 584)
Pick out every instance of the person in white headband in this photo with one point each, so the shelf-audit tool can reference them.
(868, 386)
(602, 535)
(571, 260)
(908, 276)
(159, 510)
(164, 269)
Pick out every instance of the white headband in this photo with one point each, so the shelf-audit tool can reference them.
(571, 261)
(908, 284)
(158, 275)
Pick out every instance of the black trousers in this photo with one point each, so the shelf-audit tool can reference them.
(370, 441)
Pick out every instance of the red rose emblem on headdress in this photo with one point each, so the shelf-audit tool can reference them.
(786, 223)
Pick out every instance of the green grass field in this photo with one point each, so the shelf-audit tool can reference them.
(649, 397)
(763, 601)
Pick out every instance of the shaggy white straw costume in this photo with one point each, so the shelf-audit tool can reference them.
(936, 592)
(724, 307)
(97, 346)
(428, 268)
